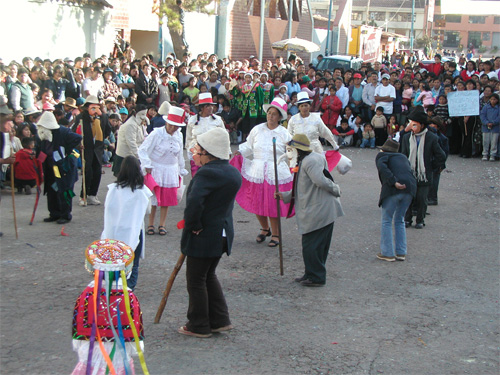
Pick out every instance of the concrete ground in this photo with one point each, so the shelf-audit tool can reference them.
(437, 313)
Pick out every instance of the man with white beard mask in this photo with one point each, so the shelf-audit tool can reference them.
(59, 166)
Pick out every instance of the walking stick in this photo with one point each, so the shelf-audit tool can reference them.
(38, 192)
(84, 188)
(170, 282)
(13, 193)
(278, 206)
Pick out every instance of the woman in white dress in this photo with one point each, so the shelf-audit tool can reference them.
(161, 155)
(256, 162)
(204, 121)
(310, 124)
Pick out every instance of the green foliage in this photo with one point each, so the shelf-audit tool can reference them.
(482, 49)
(170, 10)
(494, 49)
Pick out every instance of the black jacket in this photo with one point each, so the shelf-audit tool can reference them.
(434, 156)
(146, 89)
(92, 148)
(394, 167)
(209, 206)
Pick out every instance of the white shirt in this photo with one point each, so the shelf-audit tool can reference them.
(343, 95)
(388, 90)
(205, 124)
(314, 127)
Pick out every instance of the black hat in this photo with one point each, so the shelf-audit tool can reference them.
(390, 146)
(418, 115)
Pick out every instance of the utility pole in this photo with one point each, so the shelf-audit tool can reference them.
(328, 31)
(412, 22)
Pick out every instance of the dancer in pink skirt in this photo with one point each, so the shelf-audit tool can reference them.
(204, 121)
(255, 161)
(161, 154)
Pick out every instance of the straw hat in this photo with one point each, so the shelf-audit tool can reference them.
(70, 102)
(300, 142)
(92, 99)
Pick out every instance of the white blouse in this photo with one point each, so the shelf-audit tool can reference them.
(314, 127)
(163, 153)
(258, 159)
(204, 124)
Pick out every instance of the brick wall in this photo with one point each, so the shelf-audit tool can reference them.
(245, 33)
(120, 19)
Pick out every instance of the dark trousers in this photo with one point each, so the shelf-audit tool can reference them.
(380, 136)
(207, 305)
(467, 129)
(455, 137)
(433, 190)
(420, 202)
(93, 172)
(57, 204)
(315, 247)
(134, 275)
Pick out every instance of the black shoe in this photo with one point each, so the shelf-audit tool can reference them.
(419, 226)
(50, 219)
(407, 224)
(310, 283)
(299, 279)
(432, 203)
(63, 221)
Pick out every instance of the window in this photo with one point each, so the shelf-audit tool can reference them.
(400, 17)
(486, 36)
(451, 39)
(357, 16)
(474, 39)
(377, 16)
(453, 18)
(438, 17)
(477, 19)
(496, 20)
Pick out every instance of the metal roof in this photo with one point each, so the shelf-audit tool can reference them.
(404, 4)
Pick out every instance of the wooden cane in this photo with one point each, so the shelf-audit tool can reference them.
(170, 282)
(13, 192)
(84, 189)
(278, 206)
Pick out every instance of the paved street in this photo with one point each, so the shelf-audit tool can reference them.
(437, 313)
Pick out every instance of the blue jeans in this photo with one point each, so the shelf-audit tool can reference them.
(393, 209)
(370, 142)
(134, 275)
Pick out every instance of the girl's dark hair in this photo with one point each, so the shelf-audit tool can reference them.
(20, 129)
(301, 154)
(130, 174)
(427, 87)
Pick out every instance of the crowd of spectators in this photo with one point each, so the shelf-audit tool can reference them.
(361, 108)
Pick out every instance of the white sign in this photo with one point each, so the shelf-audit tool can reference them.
(463, 103)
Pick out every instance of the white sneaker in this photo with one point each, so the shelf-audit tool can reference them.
(485, 158)
(82, 202)
(93, 201)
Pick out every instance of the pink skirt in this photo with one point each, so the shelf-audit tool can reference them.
(259, 198)
(194, 168)
(165, 197)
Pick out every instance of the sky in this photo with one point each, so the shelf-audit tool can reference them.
(475, 7)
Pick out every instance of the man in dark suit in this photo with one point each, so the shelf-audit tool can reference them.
(95, 128)
(208, 233)
(425, 156)
(59, 166)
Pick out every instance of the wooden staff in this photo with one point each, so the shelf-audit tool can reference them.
(83, 167)
(170, 282)
(13, 192)
(278, 206)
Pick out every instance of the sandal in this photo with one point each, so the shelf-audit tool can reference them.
(151, 230)
(274, 243)
(162, 231)
(261, 237)
(184, 331)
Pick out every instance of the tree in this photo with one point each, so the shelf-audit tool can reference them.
(170, 10)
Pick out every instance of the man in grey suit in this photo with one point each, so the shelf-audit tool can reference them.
(317, 205)
(208, 233)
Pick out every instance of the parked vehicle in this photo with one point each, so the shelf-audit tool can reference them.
(340, 61)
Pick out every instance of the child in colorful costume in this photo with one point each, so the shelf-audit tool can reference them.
(102, 334)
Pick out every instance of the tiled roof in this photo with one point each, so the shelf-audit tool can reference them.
(389, 3)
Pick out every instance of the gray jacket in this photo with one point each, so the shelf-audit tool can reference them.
(317, 202)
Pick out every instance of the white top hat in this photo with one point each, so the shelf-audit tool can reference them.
(48, 121)
(205, 98)
(216, 142)
(279, 104)
(176, 116)
(303, 97)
